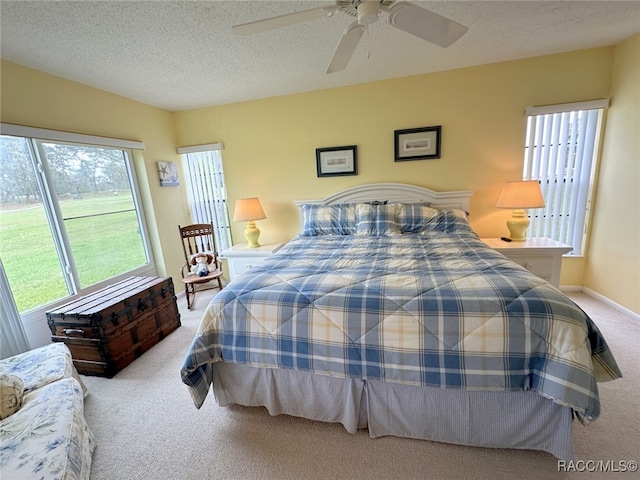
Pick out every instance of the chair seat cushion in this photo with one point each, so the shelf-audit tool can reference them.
(194, 278)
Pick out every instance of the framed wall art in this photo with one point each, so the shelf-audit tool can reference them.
(168, 173)
(417, 143)
(334, 161)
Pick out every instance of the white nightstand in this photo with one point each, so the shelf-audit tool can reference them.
(541, 256)
(241, 258)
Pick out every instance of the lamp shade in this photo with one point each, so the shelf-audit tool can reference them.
(248, 210)
(521, 194)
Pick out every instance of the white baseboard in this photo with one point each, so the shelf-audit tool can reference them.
(571, 288)
(611, 303)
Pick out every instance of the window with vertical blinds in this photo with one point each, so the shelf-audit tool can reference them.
(560, 152)
(206, 189)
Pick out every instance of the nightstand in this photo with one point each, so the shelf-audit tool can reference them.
(241, 258)
(541, 256)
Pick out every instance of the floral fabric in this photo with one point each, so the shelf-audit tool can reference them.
(41, 366)
(48, 438)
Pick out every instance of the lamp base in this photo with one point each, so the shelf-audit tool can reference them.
(518, 224)
(252, 233)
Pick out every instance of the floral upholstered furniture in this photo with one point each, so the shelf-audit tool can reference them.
(47, 437)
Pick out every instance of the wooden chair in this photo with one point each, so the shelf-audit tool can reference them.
(198, 238)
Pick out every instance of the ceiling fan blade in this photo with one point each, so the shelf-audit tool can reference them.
(284, 20)
(424, 24)
(346, 46)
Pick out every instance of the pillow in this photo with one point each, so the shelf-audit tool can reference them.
(451, 221)
(377, 220)
(416, 217)
(11, 394)
(339, 219)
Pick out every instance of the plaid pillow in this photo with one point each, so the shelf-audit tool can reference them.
(339, 219)
(377, 220)
(416, 217)
(451, 221)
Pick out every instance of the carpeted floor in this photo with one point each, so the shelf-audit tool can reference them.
(147, 428)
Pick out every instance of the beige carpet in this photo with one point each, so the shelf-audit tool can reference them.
(147, 428)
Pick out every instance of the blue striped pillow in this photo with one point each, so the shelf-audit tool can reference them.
(377, 220)
(416, 217)
(451, 221)
(339, 219)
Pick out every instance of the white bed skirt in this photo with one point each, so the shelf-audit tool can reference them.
(520, 420)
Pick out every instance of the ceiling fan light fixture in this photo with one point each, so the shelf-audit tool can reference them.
(402, 15)
(368, 12)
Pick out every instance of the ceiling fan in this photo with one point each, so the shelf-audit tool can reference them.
(405, 16)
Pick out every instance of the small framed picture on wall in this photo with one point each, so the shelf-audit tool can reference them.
(335, 161)
(417, 143)
(168, 174)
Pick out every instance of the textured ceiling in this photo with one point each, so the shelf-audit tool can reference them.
(180, 55)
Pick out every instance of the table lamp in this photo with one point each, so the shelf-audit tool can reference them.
(518, 196)
(248, 210)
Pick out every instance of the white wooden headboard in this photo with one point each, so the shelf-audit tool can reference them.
(396, 192)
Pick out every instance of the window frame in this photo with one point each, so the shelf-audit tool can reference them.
(35, 137)
(531, 149)
(200, 191)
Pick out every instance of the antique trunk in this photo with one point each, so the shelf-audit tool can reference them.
(110, 328)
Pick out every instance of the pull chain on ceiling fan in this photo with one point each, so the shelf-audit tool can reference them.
(404, 16)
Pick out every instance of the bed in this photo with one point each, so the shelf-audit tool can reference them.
(388, 313)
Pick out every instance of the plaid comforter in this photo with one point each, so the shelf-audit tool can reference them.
(422, 309)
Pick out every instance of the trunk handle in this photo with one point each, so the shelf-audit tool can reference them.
(73, 331)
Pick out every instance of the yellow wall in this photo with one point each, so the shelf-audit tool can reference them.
(613, 259)
(270, 144)
(40, 100)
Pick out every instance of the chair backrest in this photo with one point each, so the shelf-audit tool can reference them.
(198, 238)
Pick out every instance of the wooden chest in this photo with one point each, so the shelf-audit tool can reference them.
(110, 328)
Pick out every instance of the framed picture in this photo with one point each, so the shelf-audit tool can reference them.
(168, 173)
(335, 161)
(417, 143)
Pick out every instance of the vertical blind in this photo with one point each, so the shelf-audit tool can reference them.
(206, 189)
(560, 152)
(13, 339)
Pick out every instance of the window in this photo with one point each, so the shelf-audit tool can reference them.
(206, 189)
(560, 152)
(70, 216)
